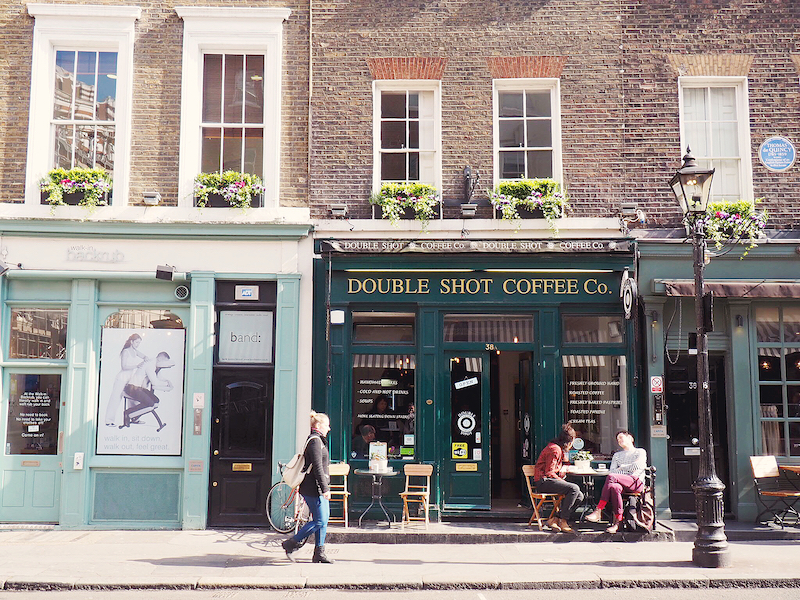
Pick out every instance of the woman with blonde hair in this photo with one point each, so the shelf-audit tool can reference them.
(315, 489)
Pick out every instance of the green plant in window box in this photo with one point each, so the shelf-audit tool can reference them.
(735, 221)
(538, 196)
(85, 187)
(582, 455)
(239, 190)
(420, 199)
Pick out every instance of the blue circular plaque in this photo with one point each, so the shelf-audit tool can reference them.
(777, 154)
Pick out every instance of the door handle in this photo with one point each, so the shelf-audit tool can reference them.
(695, 441)
(216, 452)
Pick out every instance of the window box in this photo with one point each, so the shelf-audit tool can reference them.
(407, 201)
(89, 188)
(735, 222)
(230, 189)
(530, 198)
(219, 201)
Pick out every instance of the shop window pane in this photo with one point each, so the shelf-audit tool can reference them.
(772, 441)
(212, 88)
(769, 364)
(65, 82)
(383, 404)
(466, 380)
(393, 134)
(383, 328)
(791, 325)
(539, 134)
(144, 319)
(794, 439)
(596, 399)
(540, 163)
(254, 90)
(33, 411)
(38, 333)
(792, 362)
(497, 329)
(793, 396)
(393, 167)
(593, 329)
(512, 134)
(234, 88)
(537, 104)
(512, 165)
(768, 324)
(771, 398)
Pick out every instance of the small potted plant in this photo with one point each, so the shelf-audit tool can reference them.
(228, 189)
(536, 198)
(78, 187)
(735, 221)
(412, 200)
(582, 460)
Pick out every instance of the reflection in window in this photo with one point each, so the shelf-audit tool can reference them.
(593, 329)
(496, 329)
(596, 399)
(144, 319)
(383, 404)
(383, 328)
(39, 333)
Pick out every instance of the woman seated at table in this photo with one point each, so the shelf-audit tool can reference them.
(549, 474)
(626, 474)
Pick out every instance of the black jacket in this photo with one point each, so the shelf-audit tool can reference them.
(317, 481)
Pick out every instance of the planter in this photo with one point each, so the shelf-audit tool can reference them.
(218, 201)
(72, 198)
(407, 214)
(524, 213)
(583, 465)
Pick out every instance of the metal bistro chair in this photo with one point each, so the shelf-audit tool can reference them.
(538, 500)
(778, 494)
(417, 490)
(339, 491)
(647, 495)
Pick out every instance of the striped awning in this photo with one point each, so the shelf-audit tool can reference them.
(576, 360)
(385, 361)
(496, 329)
(776, 352)
(473, 364)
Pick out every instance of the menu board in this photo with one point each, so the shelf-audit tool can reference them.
(33, 411)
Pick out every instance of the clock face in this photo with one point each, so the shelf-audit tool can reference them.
(577, 444)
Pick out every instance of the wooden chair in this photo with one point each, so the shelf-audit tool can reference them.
(777, 493)
(339, 491)
(417, 490)
(538, 500)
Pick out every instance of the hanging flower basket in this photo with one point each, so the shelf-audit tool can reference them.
(407, 200)
(530, 198)
(735, 221)
(89, 188)
(229, 189)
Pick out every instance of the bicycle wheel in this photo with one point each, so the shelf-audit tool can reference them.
(280, 508)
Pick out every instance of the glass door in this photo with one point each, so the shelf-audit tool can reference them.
(465, 423)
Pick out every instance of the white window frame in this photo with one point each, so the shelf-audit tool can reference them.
(230, 31)
(78, 27)
(553, 84)
(406, 85)
(743, 111)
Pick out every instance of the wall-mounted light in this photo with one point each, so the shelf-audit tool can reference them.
(654, 317)
(152, 198)
(739, 321)
(468, 210)
(165, 272)
(338, 210)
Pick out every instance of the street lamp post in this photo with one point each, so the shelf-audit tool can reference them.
(692, 188)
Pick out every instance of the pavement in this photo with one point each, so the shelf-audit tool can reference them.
(442, 557)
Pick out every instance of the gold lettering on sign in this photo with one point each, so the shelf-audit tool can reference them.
(560, 287)
(465, 286)
(388, 286)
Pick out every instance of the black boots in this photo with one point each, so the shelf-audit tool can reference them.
(290, 546)
(319, 555)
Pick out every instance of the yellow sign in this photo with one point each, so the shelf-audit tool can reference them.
(460, 450)
(467, 467)
(242, 466)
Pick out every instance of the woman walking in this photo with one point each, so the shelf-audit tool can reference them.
(626, 474)
(549, 474)
(315, 490)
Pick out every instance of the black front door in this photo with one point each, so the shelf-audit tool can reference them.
(684, 434)
(241, 443)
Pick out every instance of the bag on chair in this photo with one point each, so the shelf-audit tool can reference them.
(295, 470)
(638, 515)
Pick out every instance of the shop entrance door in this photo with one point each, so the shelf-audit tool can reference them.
(241, 445)
(465, 480)
(684, 434)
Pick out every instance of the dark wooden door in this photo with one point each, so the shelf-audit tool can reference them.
(241, 442)
(684, 434)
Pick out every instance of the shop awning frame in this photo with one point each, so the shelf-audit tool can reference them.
(731, 288)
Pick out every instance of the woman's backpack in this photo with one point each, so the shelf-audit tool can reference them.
(295, 470)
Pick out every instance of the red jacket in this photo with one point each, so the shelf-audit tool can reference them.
(550, 463)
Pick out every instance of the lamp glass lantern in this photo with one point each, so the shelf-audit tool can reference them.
(691, 185)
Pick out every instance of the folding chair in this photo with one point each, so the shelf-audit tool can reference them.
(538, 500)
(339, 491)
(776, 492)
(418, 490)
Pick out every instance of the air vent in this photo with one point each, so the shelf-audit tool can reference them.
(182, 292)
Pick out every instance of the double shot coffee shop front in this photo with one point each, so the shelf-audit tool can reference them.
(468, 355)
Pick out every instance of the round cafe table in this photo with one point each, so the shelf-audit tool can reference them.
(377, 492)
(587, 482)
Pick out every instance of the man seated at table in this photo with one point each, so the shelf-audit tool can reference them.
(626, 474)
(359, 447)
(549, 474)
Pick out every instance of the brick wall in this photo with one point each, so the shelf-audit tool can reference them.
(156, 97)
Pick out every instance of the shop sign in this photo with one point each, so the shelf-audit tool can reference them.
(466, 422)
(472, 246)
(245, 336)
(459, 450)
(777, 154)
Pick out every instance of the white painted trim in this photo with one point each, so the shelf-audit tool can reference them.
(253, 30)
(78, 27)
(743, 107)
(410, 85)
(539, 83)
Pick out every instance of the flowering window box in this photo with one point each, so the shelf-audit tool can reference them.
(737, 221)
(396, 201)
(530, 199)
(229, 189)
(89, 188)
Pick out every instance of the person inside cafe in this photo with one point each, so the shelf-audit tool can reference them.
(549, 477)
(359, 447)
(626, 474)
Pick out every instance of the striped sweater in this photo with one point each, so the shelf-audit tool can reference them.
(630, 462)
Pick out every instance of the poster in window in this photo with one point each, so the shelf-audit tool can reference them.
(33, 409)
(140, 409)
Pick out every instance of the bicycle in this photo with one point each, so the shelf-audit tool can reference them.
(286, 509)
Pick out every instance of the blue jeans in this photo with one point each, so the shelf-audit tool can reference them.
(320, 509)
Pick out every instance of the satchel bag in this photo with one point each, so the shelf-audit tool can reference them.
(295, 470)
